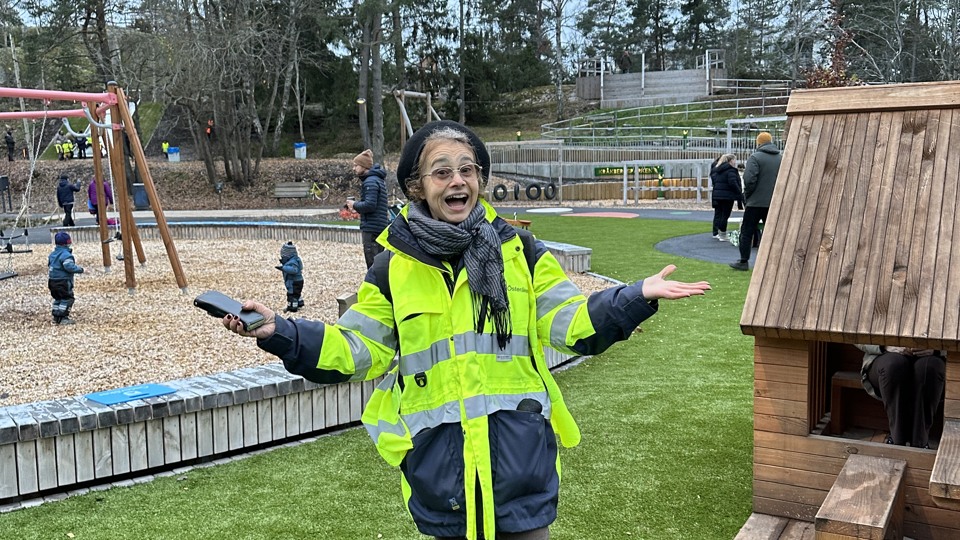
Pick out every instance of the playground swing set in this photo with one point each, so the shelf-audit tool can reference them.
(99, 109)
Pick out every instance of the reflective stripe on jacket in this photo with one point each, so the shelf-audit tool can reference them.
(453, 410)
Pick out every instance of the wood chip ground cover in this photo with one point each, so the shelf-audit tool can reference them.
(157, 334)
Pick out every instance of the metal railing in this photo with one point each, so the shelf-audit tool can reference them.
(669, 140)
(586, 129)
(753, 86)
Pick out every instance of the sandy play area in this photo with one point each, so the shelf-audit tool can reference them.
(157, 334)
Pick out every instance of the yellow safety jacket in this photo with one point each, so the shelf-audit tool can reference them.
(470, 425)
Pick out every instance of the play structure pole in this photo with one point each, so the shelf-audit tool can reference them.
(136, 149)
(121, 199)
(101, 196)
(133, 233)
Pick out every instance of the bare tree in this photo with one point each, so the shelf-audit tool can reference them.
(370, 15)
(945, 27)
(557, 10)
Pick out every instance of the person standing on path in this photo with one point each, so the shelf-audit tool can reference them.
(11, 144)
(759, 179)
(372, 205)
(726, 191)
(65, 191)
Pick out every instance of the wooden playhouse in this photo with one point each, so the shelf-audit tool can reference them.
(862, 246)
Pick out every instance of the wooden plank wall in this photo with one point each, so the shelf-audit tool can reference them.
(572, 258)
(206, 418)
(256, 414)
(781, 386)
(793, 471)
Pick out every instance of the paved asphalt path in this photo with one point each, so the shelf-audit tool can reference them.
(696, 246)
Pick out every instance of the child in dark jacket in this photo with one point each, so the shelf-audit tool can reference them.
(61, 267)
(292, 268)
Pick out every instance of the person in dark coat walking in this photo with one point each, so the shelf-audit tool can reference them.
(11, 144)
(372, 205)
(65, 191)
(726, 191)
(759, 179)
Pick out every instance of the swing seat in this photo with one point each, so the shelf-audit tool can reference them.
(9, 249)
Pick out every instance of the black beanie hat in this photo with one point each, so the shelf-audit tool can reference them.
(411, 151)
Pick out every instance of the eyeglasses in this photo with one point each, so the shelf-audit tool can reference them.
(468, 171)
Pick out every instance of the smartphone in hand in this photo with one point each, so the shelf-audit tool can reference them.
(220, 305)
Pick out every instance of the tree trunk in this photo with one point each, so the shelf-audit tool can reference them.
(460, 68)
(558, 55)
(400, 55)
(96, 41)
(364, 75)
(377, 90)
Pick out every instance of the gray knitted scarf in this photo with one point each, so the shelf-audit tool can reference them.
(479, 245)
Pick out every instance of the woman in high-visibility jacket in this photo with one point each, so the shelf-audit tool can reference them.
(468, 410)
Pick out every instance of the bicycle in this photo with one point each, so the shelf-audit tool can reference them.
(320, 191)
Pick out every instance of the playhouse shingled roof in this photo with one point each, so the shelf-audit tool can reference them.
(863, 239)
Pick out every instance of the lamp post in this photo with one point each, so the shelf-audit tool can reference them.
(362, 106)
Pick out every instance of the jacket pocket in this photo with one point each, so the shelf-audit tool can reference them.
(435, 472)
(523, 452)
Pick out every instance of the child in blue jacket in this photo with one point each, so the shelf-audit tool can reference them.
(62, 267)
(292, 268)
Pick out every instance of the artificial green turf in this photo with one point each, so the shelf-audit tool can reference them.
(666, 452)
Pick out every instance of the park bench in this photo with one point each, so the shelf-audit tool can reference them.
(291, 190)
(521, 223)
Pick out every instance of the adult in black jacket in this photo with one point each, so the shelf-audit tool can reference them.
(726, 191)
(759, 180)
(11, 144)
(372, 205)
(65, 191)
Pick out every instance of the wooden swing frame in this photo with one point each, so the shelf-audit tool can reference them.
(94, 107)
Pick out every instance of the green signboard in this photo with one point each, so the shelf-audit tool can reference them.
(618, 170)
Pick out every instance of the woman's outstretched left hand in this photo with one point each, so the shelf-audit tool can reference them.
(657, 286)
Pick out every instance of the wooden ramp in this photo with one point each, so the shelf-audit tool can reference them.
(866, 501)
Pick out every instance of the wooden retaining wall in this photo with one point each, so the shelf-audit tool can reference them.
(50, 447)
(54, 446)
(572, 258)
